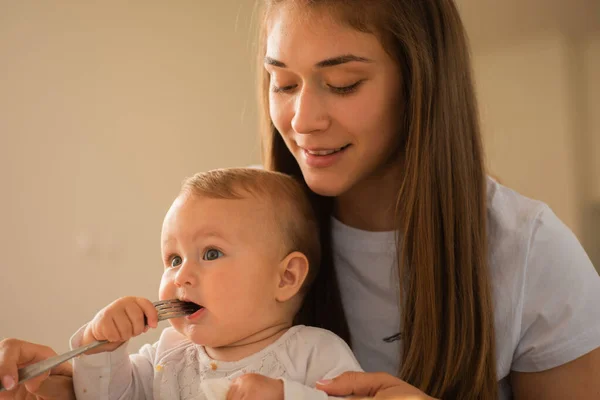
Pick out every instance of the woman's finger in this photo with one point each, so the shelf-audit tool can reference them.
(56, 387)
(15, 354)
(358, 383)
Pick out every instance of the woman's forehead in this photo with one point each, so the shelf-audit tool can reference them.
(308, 41)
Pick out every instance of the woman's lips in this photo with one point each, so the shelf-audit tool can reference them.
(322, 158)
(325, 151)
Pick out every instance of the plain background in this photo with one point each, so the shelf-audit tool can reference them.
(105, 107)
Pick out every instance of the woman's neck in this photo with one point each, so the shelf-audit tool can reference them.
(370, 204)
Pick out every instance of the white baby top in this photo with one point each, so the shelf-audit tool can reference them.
(176, 368)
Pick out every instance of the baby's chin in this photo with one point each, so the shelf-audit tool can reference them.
(197, 334)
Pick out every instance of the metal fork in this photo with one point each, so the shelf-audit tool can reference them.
(166, 309)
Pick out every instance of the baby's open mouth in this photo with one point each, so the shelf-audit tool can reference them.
(191, 307)
(195, 310)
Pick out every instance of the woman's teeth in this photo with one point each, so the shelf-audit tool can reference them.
(325, 152)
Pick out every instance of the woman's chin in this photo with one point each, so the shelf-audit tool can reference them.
(326, 186)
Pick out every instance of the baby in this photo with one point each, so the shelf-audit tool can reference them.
(243, 244)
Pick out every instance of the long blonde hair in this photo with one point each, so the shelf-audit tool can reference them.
(446, 301)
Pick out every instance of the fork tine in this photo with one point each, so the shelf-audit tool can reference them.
(174, 313)
(177, 308)
(186, 311)
(164, 302)
(172, 303)
(162, 317)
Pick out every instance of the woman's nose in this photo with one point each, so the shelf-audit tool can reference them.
(310, 113)
(186, 275)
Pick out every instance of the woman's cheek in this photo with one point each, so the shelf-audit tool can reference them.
(280, 113)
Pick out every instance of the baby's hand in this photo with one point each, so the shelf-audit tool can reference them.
(119, 322)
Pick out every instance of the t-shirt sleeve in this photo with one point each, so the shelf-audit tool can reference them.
(560, 316)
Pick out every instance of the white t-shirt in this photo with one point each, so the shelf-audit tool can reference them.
(175, 368)
(546, 291)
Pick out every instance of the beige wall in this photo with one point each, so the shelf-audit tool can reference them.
(539, 110)
(591, 60)
(592, 73)
(524, 102)
(105, 107)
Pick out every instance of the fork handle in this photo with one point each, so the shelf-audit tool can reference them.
(33, 370)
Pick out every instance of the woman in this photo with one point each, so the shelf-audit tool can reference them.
(449, 284)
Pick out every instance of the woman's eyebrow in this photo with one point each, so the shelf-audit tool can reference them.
(330, 62)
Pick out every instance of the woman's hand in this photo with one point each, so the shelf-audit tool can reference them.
(378, 386)
(56, 385)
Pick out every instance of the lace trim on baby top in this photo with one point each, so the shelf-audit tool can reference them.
(181, 377)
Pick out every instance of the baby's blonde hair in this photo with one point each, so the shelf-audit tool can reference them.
(287, 198)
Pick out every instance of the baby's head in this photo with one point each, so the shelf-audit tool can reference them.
(242, 243)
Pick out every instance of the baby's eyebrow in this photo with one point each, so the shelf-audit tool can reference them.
(202, 232)
(166, 241)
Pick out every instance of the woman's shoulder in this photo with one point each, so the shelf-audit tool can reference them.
(544, 284)
(517, 225)
(510, 212)
(526, 239)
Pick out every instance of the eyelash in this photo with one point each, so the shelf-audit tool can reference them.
(342, 91)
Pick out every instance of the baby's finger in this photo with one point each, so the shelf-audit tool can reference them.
(136, 317)
(124, 326)
(108, 331)
(149, 311)
(98, 328)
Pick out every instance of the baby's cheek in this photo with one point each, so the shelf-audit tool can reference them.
(166, 289)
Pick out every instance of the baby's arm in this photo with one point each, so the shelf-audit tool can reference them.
(112, 373)
(120, 321)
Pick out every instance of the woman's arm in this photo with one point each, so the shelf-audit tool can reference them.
(578, 379)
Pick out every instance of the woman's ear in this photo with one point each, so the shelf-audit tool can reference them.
(292, 272)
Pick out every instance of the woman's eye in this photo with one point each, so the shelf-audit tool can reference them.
(176, 261)
(345, 89)
(282, 89)
(212, 254)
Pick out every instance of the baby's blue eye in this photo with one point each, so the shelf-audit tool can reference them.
(176, 261)
(212, 254)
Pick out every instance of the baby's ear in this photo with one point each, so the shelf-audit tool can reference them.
(292, 272)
